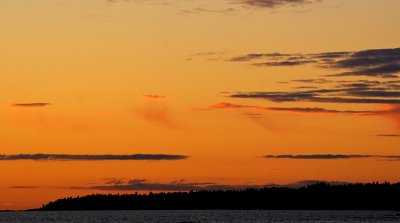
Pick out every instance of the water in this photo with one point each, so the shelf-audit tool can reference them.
(198, 216)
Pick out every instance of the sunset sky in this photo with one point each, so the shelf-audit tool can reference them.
(125, 96)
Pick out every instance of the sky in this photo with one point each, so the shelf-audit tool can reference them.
(125, 96)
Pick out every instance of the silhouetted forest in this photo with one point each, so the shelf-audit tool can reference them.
(321, 196)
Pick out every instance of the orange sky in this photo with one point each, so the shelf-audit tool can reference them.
(205, 89)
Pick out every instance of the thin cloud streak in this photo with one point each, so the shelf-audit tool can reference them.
(329, 157)
(227, 105)
(154, 96)
(31, 105)
(388, 135)
(390, 111)
(101, 157)
(275, 3)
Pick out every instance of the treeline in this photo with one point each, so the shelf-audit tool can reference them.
(321, 196)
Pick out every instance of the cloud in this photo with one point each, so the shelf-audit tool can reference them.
(388, 135)
(311, 97)
(180, 185)
(254, 56)
(358, 91)
(156, 112)
(199, 10)
(328, 157)
(144, 185)
(101, 157)
(383, 63)
(268, 123)
(313, 81)
(226, 105)
(154, 2)
(114, 181)
(390, 111)
(385, 93)
(31, 105)
(252, 3)
(275, 3)
(376, 62)
(284, 63)
(305, 183)
(153, 96)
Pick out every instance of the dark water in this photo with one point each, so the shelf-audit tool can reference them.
(199, 216)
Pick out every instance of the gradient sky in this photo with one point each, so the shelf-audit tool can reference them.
(212, 93)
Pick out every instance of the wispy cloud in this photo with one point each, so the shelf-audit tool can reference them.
(154, 2)
(95, 157)
(144, 185)
(389, 111)
(199, 10)
(305, 183)
(31, 105)
(156, 111)
(154, 96)
(158, 115)
(329, 156)
(275, 3)
(227, 105)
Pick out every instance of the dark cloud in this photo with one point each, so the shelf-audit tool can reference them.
(114, 181)
(181, 185)
(275, 3)
(317, 110)
(328, 156)
(384, 63)
(385, 71)
(375, 57)
(311, 97)
(360, 91)
(305, 183)
(71, 157)
(31, 105)
(388, 135)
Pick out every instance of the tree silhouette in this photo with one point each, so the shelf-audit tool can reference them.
(320, 196)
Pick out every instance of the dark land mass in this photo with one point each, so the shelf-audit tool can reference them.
(321, 196)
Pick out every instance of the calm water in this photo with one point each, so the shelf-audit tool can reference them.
(198, 216)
